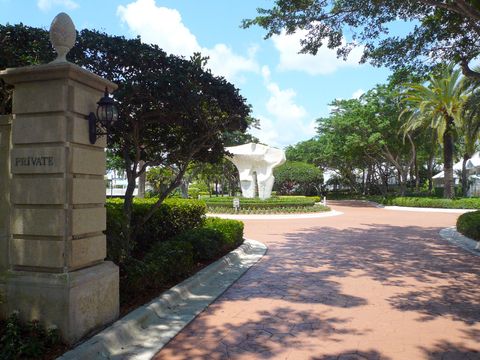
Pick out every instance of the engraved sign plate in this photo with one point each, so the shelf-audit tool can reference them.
(41, 160)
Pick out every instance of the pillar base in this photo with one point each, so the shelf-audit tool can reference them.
(76, 302)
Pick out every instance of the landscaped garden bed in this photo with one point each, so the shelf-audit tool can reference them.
(173, 245)
(413, 201)
(28, 341)
(274, 205)
(461, 203)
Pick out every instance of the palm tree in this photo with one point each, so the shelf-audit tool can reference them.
(470, 131)
(438, 105)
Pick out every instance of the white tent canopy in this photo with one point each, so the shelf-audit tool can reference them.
(472, 163)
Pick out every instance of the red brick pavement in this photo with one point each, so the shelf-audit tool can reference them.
(369, 284)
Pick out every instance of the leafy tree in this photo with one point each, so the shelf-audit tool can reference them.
(172, 111)
(469, 128)
(364, 134)
(305, 151)
(438, 105)
(442, 30)
(21, 46)
(159, 178)
(297, 177)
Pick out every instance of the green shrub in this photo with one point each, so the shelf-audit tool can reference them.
(217, 237)
(273, 210)
(231, 230)
(193, 192)
(173, 217)
(169, 261)
(207, 243)
(274, 202)
(165, 263)
(469, 225)
(463, 203)
(26, 341)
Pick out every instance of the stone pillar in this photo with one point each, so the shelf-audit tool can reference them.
(5, 128)
(57, 273)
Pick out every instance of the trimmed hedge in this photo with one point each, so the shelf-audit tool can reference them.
(173, 217)
(171, 261)
(463, 203)
(469, 225)
(231, 230)
(274, 202)
(275, 210)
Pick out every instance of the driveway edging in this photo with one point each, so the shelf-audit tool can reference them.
(453, 236)
(143, 332)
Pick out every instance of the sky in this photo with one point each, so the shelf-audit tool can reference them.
(287, 91)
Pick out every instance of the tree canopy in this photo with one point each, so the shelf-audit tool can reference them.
(295, 177)
(441, 30)
(172, 111)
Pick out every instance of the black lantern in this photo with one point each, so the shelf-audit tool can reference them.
(107, 115)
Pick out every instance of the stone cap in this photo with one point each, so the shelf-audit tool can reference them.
(54, 71)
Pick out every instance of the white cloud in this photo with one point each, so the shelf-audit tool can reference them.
(287, 122)
(358, 93)
(164, 27)
(46, 5)
(325, 62)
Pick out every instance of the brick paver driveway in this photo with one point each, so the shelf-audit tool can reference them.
(369, 284)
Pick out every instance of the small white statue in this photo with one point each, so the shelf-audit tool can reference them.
(256, 160)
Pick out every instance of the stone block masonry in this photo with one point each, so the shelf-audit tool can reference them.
(5, 144)
(53, 248)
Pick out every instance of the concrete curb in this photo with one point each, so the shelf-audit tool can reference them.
(453, 236)
(144, 331)
(277, 217)
(404, 208)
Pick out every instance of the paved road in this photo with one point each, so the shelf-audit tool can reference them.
(369, 284)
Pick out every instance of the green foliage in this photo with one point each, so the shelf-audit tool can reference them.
(274, 202)
(193, 192)
(231, 230)
(172, 111)
(170, 261)
(296, 177)
(166, 263)
(438, 105)
(464, 203)
(305, 151)
(447, 25)
(272, 210)
(173, 217)
(207, 243)
(469, 225)
(26, 341)
(160, 178)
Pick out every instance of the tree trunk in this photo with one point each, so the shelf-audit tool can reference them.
(417, 177)
(142, 179)
(184, 189)
(448, 181)
(403, 176)
(464, 175)
(430, 173)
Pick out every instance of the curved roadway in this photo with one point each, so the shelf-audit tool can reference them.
(368, 284)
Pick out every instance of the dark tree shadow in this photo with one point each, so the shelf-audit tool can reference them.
(446, 350)
(265, 338)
